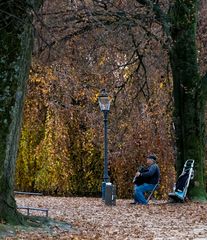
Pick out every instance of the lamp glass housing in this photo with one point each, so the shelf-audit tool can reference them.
(104, 101)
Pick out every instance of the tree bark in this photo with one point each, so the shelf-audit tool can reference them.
(16, 46)
(189, 97)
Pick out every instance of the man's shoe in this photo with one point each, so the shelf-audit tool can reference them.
(133, 203)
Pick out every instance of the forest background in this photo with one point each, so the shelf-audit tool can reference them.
(61, 148)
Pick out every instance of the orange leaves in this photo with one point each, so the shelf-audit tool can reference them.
(64, 155)
(146, 131)
(89, 218)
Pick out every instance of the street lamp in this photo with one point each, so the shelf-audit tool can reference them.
(104, 104)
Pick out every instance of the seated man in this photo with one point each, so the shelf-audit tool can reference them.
(146, 180)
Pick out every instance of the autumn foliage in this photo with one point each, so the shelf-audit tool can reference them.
(57, 154)
(61, 148)
(80, 49)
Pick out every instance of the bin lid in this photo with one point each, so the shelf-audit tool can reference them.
(108, 183)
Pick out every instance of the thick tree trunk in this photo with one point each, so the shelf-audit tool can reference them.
(189, 96)
(15, 41)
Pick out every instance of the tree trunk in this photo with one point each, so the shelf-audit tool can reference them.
(189, 96)
(16, 45)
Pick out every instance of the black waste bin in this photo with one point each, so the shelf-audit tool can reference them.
(110, 194)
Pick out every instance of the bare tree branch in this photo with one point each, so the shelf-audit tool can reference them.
(160, 15)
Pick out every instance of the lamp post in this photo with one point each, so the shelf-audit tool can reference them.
(104, 104)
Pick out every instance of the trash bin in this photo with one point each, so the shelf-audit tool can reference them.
(110, 194)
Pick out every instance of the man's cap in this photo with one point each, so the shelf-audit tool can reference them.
(152, 157)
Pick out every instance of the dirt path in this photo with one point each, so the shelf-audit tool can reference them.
(91, 219)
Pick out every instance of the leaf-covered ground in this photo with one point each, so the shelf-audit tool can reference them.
(91, 219)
